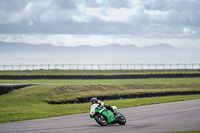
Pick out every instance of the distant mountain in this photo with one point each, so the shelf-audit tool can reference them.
(161, 47)
(117, 48)
(24, 48)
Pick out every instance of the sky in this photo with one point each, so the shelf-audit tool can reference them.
(101, 22)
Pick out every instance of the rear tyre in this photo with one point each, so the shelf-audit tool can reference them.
(101, 120)
(122, 120)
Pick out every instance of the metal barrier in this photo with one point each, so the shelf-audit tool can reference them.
(99, 67)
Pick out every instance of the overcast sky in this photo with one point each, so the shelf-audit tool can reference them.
(101, 22)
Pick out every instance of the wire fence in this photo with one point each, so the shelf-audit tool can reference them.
(99, 67)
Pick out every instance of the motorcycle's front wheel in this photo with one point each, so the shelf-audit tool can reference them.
(101, 120)
(122, 119)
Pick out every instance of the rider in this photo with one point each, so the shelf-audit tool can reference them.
(101, 104)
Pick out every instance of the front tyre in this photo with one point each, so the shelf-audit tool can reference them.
(122, 120)
(101, 120)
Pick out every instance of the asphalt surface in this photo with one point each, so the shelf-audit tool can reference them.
(158, 118)
(11, 84)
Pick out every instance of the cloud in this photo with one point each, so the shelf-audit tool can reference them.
(12, 5)
(107, 3)
(152, 18)
(64, 4)
(187, 31)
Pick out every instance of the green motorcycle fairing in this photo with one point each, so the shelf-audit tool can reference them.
(107, 113)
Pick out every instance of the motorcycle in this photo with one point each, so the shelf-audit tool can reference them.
(104, 116)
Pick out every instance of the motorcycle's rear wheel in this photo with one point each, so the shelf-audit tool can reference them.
(101, 120)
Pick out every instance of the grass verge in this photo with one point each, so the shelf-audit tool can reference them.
(85, 88)
(26, 110)
(106, 81)
(29, 103)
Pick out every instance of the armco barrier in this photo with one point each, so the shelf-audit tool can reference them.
(133, 76)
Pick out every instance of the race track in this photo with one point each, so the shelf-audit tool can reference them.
(158, 118)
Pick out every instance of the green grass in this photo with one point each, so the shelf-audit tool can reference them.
(72, 92)
(63, 92)
(93, 72)
(106, 81)
(65, 89)
(29, 103)
(26, 107)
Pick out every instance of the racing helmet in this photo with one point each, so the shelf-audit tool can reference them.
(93, 100)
